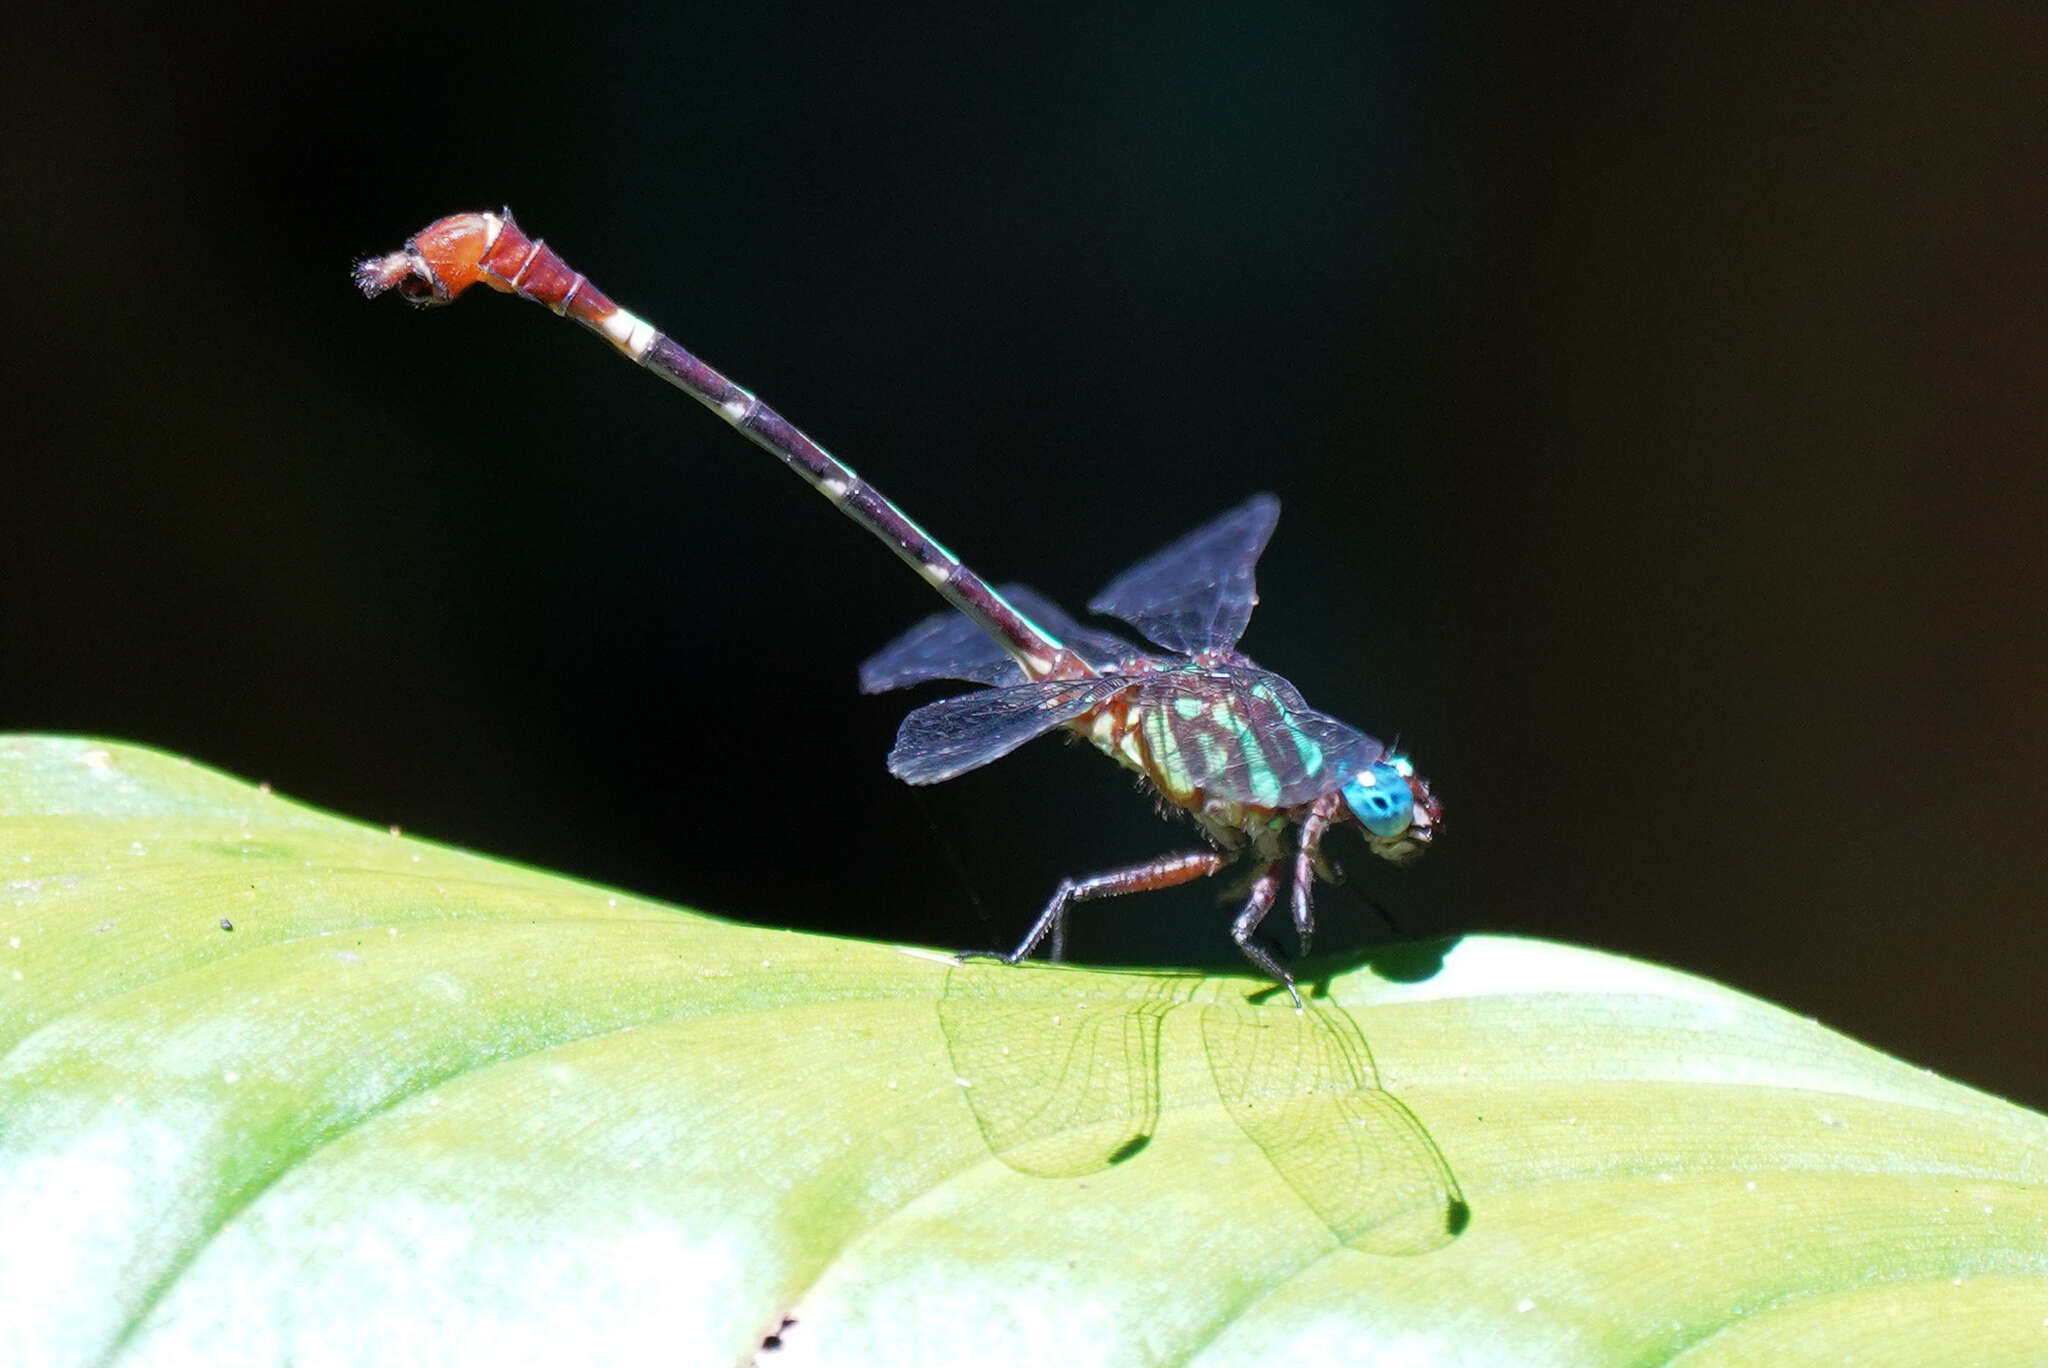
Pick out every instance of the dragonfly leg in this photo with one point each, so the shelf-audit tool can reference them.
(1164, 872)
(1265, 891)
(1308, 863)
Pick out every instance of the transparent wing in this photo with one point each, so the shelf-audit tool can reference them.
(1198, 593)
(1303, 1088)
(1097, 647)
(1246, 736)
(954, 735)
(1060, 1070)
(949, 646)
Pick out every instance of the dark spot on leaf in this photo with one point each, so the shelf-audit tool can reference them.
(773, 1339)
(226, 925)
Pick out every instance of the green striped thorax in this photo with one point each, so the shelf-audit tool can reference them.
(1211, 728)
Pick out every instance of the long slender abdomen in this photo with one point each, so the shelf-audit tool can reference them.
(453, 253)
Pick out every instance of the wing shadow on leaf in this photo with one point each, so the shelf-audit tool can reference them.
(1062, 1073)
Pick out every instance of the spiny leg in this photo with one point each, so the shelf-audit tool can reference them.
(1308, 863)
(1265, 890)
(1165, 872)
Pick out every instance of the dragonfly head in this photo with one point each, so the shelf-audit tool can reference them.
(1394, 805)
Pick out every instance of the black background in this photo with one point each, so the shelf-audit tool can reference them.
(1656, 399)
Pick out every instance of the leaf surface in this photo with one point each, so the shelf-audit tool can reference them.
(418, 1104)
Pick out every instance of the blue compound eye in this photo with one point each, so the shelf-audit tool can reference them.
(1381, 799)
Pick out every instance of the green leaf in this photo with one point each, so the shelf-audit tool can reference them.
(419, 1105)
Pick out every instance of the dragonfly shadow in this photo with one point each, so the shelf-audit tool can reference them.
(1395, 961)
(1062, 1072)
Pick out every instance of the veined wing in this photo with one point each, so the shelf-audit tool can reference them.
(1303, 1088)
(1245, 736)
(949, 646)
(1198, 593)
(954, 735)
(1097, 647)
(1063, 1078)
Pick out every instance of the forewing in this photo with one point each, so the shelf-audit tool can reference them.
(1199, 592)
(944, 646)
(1302, 1087)
(946, 739)
(949, 645)
(1097, 647)
(1246, 736)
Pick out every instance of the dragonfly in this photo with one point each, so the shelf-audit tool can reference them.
(1264, 777)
